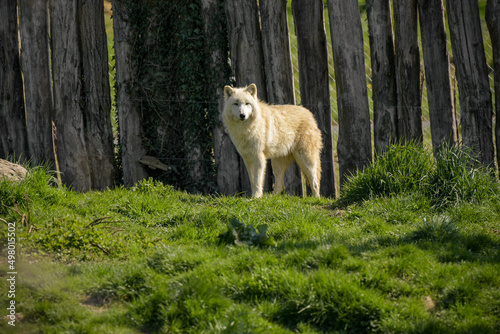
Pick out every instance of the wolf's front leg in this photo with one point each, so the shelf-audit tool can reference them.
(250, 169)
(259, 173)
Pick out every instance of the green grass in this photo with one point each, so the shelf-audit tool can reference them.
(149, 258)
(454, 176)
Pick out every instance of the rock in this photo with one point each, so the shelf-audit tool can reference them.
(154, 163)
(429, 303)
(11, 171)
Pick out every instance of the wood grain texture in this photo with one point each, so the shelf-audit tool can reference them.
(354, 145)
(279, 72)
(472, 74)
(437, 75)
(407, 56)
(383, 73)
(13, 142)
(314, 82)
(34, 19)
(129, 114)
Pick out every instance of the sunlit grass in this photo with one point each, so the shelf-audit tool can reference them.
(149, 259)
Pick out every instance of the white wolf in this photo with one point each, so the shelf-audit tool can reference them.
(281, 133)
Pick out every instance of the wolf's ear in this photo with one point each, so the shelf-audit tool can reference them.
(228, 91)
(252, 90)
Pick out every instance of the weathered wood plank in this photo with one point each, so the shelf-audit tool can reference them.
(493, 22)
(225, 154)
(437, 75)
(354, 145)
(13, 142)
(314, 82)
(247, 62)
(96, 93)
(34, 22)
(129, 114)
(407, 71)
(279, 72)
(68, 96)
(383, 73)
(472, 74)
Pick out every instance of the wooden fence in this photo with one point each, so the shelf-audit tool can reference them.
(63, 113)
(56, 95)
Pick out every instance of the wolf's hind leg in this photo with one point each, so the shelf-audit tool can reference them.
(311, 168)
(280, 166)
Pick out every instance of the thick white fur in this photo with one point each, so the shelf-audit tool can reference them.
(281, 133)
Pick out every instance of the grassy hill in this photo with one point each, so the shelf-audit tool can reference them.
(394, 254)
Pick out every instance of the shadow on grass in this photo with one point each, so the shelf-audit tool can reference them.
(441, 236)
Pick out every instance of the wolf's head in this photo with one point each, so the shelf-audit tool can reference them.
(241, 103)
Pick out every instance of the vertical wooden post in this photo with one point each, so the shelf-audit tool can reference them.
(34, 21)
(13, 141)
(441, 109)
(314, 82)
(245, 44)
(247, 59)
(96, 93)
(68, 95)
(226, 156)
(279, 72)
(493, 22)
(408, 71)
(129, 114)
(472, 73)
(383, 73)
(354, 146)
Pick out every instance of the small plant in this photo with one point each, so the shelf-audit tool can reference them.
(241, 234)
(437, 229)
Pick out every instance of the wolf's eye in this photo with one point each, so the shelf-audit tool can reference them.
(235, 103)
(248, 103)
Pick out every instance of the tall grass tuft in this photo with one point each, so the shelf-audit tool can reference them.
(454, 176)
(38, 183)
(459, 177)
(400, 169)
(437, 229)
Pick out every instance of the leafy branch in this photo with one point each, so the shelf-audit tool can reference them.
(241, 234)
